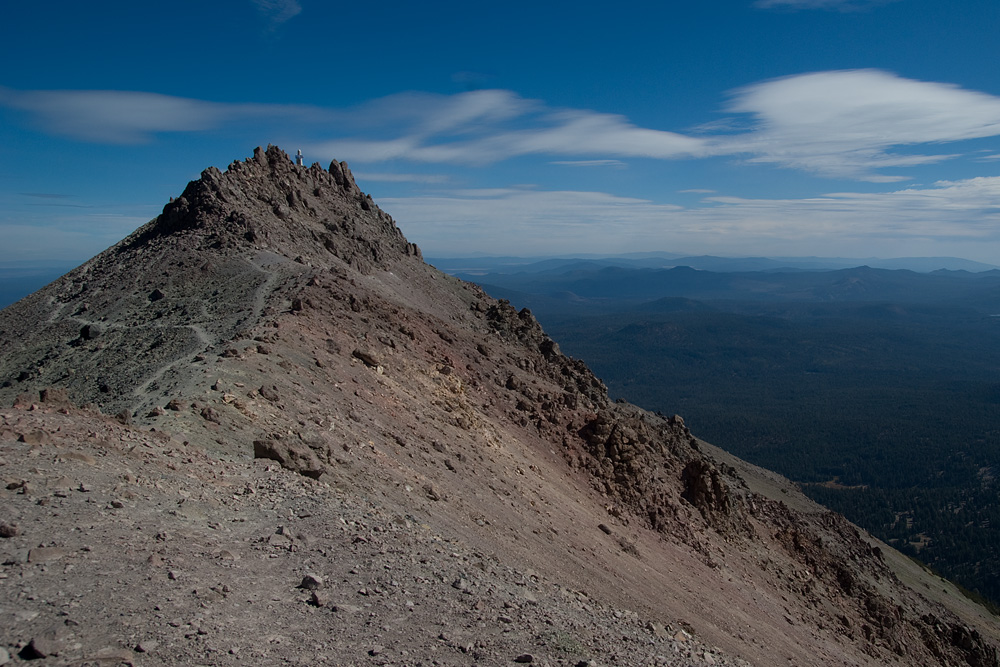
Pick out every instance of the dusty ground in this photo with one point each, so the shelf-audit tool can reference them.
(131, 547)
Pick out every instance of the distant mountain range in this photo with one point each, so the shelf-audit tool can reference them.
(483, 265)
(18, 279)
(590, 287)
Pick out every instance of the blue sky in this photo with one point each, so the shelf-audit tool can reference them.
(732, 127)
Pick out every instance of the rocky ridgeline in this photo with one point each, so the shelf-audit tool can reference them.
(272, 311)
(199, 276)
(318, 211)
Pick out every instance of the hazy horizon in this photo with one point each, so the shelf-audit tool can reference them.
(19, 278)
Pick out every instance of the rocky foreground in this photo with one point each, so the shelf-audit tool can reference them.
(132, 547)
(262, 430)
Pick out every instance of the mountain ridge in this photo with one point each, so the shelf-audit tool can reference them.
(489, 264)
(273, 315)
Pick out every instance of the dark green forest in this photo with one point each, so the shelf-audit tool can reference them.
(886, 410)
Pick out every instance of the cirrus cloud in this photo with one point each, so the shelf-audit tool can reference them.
(277, 11)
(487, 126)
(132, 117)
(851, 124)
(836, 5)
(845, 124)
(957, 216)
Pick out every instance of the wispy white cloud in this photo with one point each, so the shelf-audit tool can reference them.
(926, 220)
(68, 238)
(520, 219)
(589, 163)
(472, 80)
(113, 116)
(852, 124)
(486, 126)
(45, 195)
(836, 5)
(428, 114)
(399, 178)
(277, 12)
(846, 123)
(967, 209)
(129, 117)
(582, 132)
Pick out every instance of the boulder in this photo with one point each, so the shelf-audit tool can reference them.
(294, 456)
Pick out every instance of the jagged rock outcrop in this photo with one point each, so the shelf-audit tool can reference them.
(322, 209)
(274, 312)
(209, 263)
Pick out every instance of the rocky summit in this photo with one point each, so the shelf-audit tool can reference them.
(261, 430)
